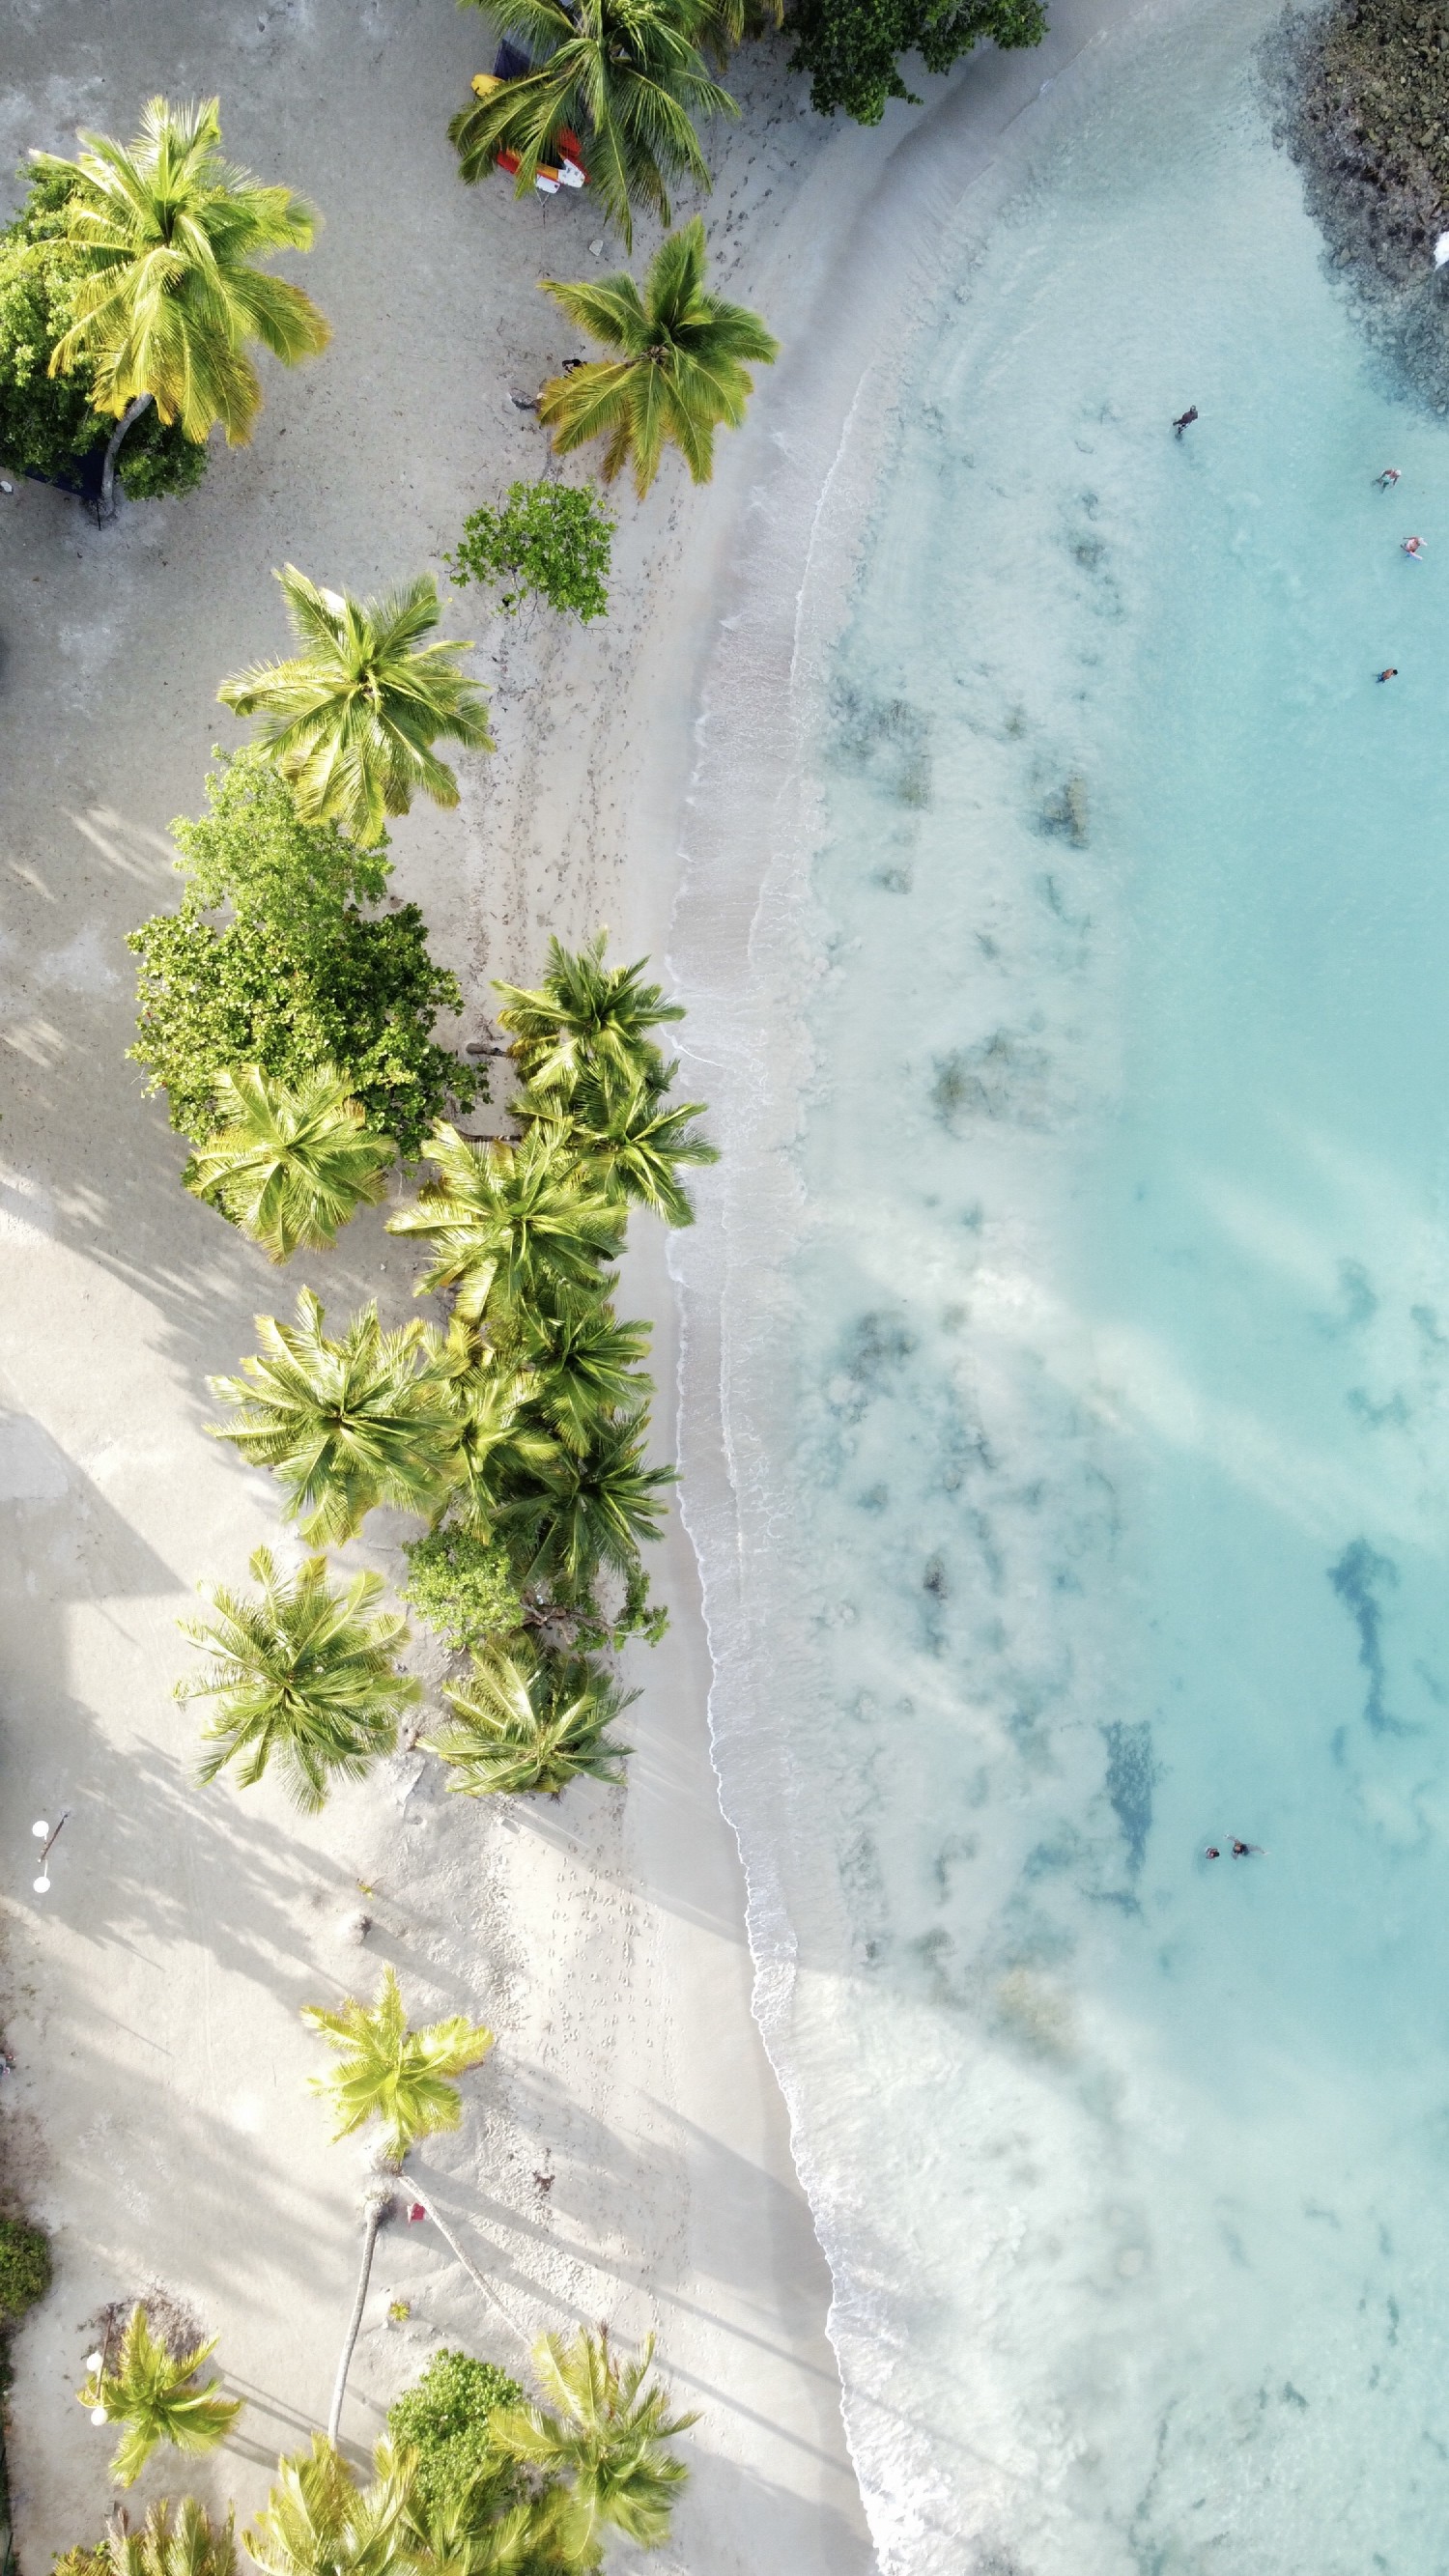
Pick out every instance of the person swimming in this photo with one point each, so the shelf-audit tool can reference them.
(1243, 1851)
(1414, 549)
(1390, 674)
(1184, 421)
(1212, 1852)
(1387, 479)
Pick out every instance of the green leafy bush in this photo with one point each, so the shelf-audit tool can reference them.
(463, 1587)
(298, 977)
(446, 2419)
(548, 540)
(24, 2267)
(851, 48)
(46, 423)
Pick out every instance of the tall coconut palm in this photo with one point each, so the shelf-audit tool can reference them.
(584, 1364)
(681, 368)
(633, 1139)
(507, 1217)
(585, 1018)
(343, 1425)
(303, 1677)
(169, 235)
(625, 75)
(527, 1724)
(591, 1508)
(350, 720)
(403, 2078)
(448, 2536)
(153, 2393)
(317, 2520)
(387, 2072)
(289, 1166)
(607, 2434)
(172, 2541)
(497, 1439)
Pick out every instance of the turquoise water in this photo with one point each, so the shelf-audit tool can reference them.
(1111, 1504)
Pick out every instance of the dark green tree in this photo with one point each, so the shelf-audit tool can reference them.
(852, 48)
(549, 541)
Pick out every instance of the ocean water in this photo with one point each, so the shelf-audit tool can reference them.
(1085, 1399)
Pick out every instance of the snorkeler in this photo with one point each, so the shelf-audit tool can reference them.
(1185, 422)
(1387, 479)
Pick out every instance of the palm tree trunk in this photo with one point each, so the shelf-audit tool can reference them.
(474, 2276)
(129, 416)
(376, 2207)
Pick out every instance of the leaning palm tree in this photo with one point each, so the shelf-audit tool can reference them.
(401, 2077)
(289, 1166)
(633, 1139)
(172, 2541)
(350, 720)
(681, 368)
(591, 1508)
(627, 76)
(585, 1018)
(343, 1425)
(152, 2391)
(168, 234)
(303, 1677)
(317, 2520)
(506, 1217)
(528, 1724)
(606, 2433)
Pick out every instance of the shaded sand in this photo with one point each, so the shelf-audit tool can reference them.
(625, 2152)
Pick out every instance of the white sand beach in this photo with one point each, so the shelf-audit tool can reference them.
(625, 2151)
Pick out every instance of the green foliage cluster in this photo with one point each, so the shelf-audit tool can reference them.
(462, 1586)
(24, 2268)
(446, 2421)
(298, 977)
(549, 541)
(852, 48)
(48, 424)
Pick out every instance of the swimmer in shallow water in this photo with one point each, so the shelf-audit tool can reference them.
(1243, 1851)
(1414, 549)
(1184, 421)
(1387, 479)
(1390, 674)
(1212, 1852)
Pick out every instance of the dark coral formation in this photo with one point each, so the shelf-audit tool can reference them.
(1361, 94)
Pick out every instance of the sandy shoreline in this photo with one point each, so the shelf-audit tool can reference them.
(158, 2119)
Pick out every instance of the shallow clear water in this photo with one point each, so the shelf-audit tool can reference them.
(1111, 1503)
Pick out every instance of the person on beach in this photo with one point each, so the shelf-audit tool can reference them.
(1389, 674)
(1388, 478)
(1186, 421)
(1414, 549)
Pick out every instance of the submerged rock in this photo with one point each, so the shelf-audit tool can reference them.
(1360, 95)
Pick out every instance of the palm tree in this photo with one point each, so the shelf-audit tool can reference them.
(590, 1508)
(529, 1724)
(344, 1425)
(447, 2536)
(400, 2077)
(508, 1217)
(152, 2392)
(607, 2436)
(351, 719)
(584, 1363)
(626, 75)
(681, 368)
(168, 234)
(289, 1166)
(317, 2521)
(634, 1140)
(302, 1675)
(496, 1439)
(190, 2545)
(585, 1017)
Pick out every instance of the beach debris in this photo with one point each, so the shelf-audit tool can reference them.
(596, 249)
(355, 1927)
(1441, 253)
(416, 2211)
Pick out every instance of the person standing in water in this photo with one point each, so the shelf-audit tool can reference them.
(1387, 479)
(1414, 549)
(1185, 422)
